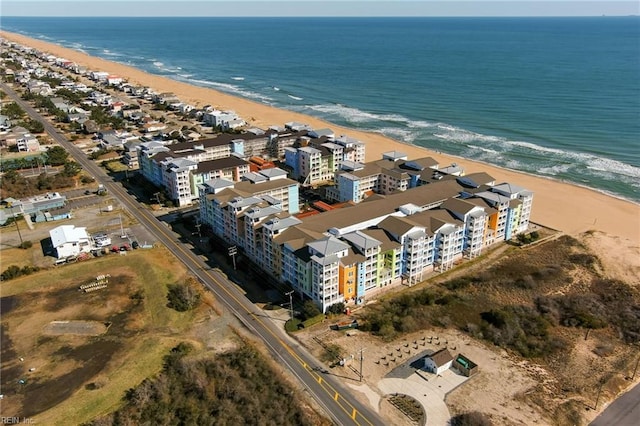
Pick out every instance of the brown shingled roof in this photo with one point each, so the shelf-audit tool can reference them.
(220, 163)
(441, 357)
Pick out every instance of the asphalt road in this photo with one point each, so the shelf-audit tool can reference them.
(624, 411)
(331, 395)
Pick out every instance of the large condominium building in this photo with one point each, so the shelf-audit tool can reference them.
(224, 205)
(176, 167)
(350, 254)
(357, 181)
(315, 158)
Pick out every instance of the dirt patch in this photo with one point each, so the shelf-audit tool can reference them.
(91, 359)
(7, 304)
(84, 328)
(48, 354)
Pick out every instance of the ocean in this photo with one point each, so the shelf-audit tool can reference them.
(554, 97)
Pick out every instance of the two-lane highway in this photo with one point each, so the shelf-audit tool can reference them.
(336, 400)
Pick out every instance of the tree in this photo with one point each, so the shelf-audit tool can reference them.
(309, 310)
(33, 126)
(13, 111)
(57, 156)
(71, 168)
(183, 297)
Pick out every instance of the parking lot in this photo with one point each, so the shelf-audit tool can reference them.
(89, 211)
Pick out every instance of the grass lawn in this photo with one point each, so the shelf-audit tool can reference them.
(143, 333)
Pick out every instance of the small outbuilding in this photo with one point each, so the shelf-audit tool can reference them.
(465, 366)
(438, 362)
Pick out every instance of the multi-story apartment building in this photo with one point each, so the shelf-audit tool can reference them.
(223, 202)
(156, 159)
(316, 157)
(350, 254)
(354, 150)
(176, 179)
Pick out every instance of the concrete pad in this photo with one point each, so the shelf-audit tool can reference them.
(432, 401)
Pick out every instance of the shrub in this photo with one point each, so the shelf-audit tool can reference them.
(26, 245)
(309, 310)
(472, 418)
(292, 325)
(336, 308)
(14, 271)
(331, 353)
(11, 272)
(183, 297)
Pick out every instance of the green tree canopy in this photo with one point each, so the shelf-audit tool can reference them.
(57, 156)
(13, 111)
(71, 168)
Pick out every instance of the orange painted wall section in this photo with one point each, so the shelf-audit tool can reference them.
(346, 273)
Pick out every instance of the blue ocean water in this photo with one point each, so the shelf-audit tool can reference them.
(556, 97)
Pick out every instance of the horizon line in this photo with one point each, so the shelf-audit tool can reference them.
(604, 15)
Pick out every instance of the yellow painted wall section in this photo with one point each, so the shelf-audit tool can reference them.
(346, 288)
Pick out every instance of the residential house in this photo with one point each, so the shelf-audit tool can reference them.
(438, 362)
(69, 240)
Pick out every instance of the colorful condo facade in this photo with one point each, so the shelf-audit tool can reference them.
(350, 254)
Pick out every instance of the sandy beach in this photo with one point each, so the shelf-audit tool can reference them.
(565, 207)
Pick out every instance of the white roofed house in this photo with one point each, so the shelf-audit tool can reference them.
(218, 118)
(354, 150)
(114, 80)
(68, 240)
(27, 143)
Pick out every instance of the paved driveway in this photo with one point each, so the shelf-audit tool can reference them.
(428, 389)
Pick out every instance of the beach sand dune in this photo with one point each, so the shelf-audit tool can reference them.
(562, 206)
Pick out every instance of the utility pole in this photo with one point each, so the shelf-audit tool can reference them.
(198, 225)
(233, 250)
(15, 220)
(636, 368)
(602, 380)
(290, 294)
(361, 358)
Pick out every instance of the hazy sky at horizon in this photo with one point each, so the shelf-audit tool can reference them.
(265, 8)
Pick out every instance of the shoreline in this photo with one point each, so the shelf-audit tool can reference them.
(566, 206)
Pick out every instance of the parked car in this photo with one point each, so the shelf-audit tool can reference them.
(135, 245)
(125, 247)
